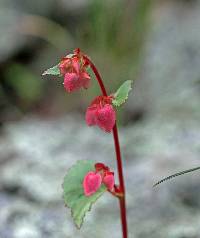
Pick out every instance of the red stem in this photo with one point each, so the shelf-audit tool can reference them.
(122, 200)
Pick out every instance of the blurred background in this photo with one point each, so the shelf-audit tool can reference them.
(42, 130)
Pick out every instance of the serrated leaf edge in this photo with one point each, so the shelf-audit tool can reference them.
(45, 72)
(90, 207)
(114, 102)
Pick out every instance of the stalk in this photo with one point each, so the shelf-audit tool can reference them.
(122, 199)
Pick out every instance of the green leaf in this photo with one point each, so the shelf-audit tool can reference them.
(52, 71)
(70, 55)
(73, 191)
(122, 93)
(27, 86)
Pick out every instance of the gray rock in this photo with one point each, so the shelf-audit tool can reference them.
(169, 79)
(44, 150)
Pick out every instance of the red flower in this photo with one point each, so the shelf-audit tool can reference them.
(94, 179)
(91, 183)
(101, 166)
(101, 113)
(109, 180)
(73, 68)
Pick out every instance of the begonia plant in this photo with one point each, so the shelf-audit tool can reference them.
(87, 180)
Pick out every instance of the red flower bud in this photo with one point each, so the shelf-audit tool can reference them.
(109, 180)
(91, 183)
(101, 166)
(74, 81)
(94, 179)
(101, 113)
(73, 68)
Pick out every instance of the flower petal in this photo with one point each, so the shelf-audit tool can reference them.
(106, 118)
(71, 82)
(109, 181)
(91, 183)
(90, 116)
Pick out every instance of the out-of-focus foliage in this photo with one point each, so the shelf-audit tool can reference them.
(116, 27)
(27, 86)
(111, 32)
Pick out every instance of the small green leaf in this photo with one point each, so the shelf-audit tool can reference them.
(122, 93)
(73, 191)
(70, 55)
(52, 71)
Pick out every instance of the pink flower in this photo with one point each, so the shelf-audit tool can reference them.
(74, 81)
(94, 179)
(101, 167)
(91, 183)
(73, 68)
(109, 180)
(101, 113)
(65, 65)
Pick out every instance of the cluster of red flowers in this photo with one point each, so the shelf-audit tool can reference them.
(100, 112)
(73, 68)
(94, 179)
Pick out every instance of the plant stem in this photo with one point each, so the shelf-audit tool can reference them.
(122, 199)
(98, 76)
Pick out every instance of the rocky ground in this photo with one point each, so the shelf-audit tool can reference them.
(41, 152)
(35, 153)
